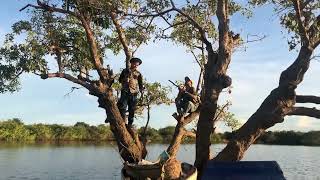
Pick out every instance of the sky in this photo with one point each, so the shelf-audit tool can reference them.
(254, 70)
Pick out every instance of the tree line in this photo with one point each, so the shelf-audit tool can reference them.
(14, 130)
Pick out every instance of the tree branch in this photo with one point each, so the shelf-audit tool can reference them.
(97, 61)
(122, 37)
(304, 111)
(313, 30)
(302, 29)
(195, 57)
(46, 7)
(196, 25)
(174, 25)
(192, 21)
(189, 118)
(146, 28)
(189, 134)
(148, 15)
(307, 99)
(68, 77)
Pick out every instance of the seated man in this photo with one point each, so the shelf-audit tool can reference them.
(187, 100)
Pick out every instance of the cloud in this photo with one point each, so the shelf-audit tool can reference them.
(303, 122)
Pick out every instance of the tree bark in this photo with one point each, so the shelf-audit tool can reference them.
(215, 80)
(130, 147)
(273, 110)
(122, 38)
(173, 166)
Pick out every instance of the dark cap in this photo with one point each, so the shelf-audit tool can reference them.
(132, 60)
(186, 79)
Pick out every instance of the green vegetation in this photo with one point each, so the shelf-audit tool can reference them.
(13, 130)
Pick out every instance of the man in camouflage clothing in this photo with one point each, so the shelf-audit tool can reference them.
(187, 100)
(131, 81)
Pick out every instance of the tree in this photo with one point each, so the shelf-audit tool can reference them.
(76, 34)
(300, 19)
(155, 94)
(195, 20)
(13, 130)
(302, 22)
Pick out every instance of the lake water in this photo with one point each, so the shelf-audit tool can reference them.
(89, 161)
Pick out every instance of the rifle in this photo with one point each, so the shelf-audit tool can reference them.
(174, 83)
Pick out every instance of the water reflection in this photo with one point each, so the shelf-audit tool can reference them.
(87, 160)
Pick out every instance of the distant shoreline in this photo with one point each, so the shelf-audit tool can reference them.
(15, 131)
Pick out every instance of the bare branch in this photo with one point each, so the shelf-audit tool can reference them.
(174, 25)
(165, 20)
(68, 77)
(172, 3)
(71, 91)
(258, 38)
(221, 111)
(307, 99)
(304, 111)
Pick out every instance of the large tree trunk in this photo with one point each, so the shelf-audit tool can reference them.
(130, 147)
(273, 110)
(215, 80)
(173, 166)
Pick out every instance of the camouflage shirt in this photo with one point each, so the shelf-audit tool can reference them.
(131, 81)
(189, 95)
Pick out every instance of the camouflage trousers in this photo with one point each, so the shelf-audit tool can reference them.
(184, 107)
(129, 100)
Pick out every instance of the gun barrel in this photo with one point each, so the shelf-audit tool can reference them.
(173, 83)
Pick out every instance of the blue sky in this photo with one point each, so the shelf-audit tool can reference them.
(255, 72)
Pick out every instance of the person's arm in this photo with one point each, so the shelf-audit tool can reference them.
(192, 93)
(140, 82)
(122, 76)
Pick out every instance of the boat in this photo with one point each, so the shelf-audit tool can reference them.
(149, 170)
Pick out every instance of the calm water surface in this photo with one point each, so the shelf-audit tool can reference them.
(89, 161)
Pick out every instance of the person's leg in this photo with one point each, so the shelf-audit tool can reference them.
(179, 105)
(123, 103)
(132, 103)
(194, 107)
(188, 107)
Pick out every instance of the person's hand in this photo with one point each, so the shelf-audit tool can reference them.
(182, 88)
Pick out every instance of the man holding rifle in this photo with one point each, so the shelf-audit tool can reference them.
(187, 100)
(131, 81)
